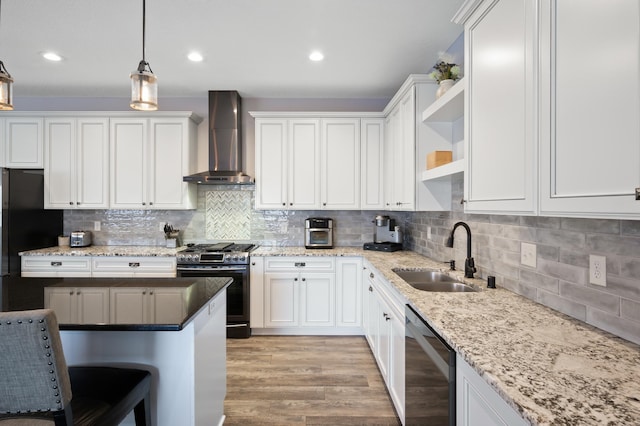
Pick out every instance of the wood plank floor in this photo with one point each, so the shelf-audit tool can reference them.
(305, 380)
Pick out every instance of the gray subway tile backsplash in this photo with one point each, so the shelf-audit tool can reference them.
(560, 279)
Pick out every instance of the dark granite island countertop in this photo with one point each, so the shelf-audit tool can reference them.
(28, 293)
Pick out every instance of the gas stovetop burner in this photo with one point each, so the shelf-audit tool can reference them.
(218, 253)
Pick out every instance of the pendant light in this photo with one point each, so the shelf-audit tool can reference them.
(6, 84)
(144, 84)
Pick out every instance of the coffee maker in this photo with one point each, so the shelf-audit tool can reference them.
(387, 236)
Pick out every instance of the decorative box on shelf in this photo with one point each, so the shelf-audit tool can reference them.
(438, 158)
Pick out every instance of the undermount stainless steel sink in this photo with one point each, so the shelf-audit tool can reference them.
(428, 280)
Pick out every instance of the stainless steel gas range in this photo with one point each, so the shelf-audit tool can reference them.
(223, 260)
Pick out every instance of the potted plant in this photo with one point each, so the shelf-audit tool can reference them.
(445, 72)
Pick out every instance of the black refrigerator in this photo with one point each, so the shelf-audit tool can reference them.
(26, 225)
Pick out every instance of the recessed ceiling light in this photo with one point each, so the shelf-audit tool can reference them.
(316, 56)
(52, 56)
(195, 57)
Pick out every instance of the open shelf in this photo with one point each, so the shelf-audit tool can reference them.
(449, 107)
(443, 171)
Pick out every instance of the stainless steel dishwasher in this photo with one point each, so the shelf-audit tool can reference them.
(430, 375)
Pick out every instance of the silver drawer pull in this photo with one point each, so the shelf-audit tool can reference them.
(134, 264)
(56, 263)
(300, 264)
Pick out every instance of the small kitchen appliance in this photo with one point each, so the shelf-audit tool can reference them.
(318, 233)
(80, 239)
(387, 236)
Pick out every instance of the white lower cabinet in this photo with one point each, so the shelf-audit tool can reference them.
(299, 299)
(78, 305)
(477, 404)
(55, 266)
(384, 325)
(349, 292)
(140, 267)
(306, 295)
(147, 306)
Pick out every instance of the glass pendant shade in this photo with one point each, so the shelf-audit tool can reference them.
(6, 89)
(144, 89)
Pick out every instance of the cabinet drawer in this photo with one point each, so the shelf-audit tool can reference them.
(56, 266)
(133, 266)
(300, 263)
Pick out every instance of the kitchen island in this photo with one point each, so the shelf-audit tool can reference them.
(550, 368)
(187, 356)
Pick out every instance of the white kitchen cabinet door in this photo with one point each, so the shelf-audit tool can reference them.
(149, 157)
(23, 142)
(392, 123)
(256, 289)
(590, 149)
(372, 164)
(129, 174)
(80, 305)
(500, 103)
(340, 162)
(404, 161)
(171, 156)
(349, 291)
(76, 167)
(129, 305)
(478, 404)
(304, 164)
(317, 299)
(369, 310)
(169, 305)
(281, 299)
(272, 163)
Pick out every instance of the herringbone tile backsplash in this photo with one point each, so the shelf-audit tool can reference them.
(228, 215)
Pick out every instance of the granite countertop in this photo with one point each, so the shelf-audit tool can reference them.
(155, 251)
(552, 369)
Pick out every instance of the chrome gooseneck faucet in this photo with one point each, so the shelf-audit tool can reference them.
(469, 264)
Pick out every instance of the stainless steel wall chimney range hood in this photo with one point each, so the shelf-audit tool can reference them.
(225, 142)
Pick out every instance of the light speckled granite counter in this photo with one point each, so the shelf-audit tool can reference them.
(552, 369)
(104, 251)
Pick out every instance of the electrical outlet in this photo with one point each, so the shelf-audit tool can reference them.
(97, 225)
(598, 270)
(528, 256)
(428, 232)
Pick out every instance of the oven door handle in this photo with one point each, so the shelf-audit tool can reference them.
(442, 365)
(213, 269)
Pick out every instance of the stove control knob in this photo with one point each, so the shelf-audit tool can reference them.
(242, 258)
(227, 258)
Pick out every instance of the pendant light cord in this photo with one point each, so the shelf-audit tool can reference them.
(144, 20)
(143, 65)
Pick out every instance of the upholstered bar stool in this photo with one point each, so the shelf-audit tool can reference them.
(36, 387)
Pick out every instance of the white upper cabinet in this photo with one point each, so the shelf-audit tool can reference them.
(271, 163)
(313, 161)
(304, 164)
(590, 108)
(23, 142)
(340, 162)
(76, 163)
(500, 103)
(406, 146)
(372, 164)
(149, 157)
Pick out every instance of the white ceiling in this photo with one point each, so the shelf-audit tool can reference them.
(258, 47)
